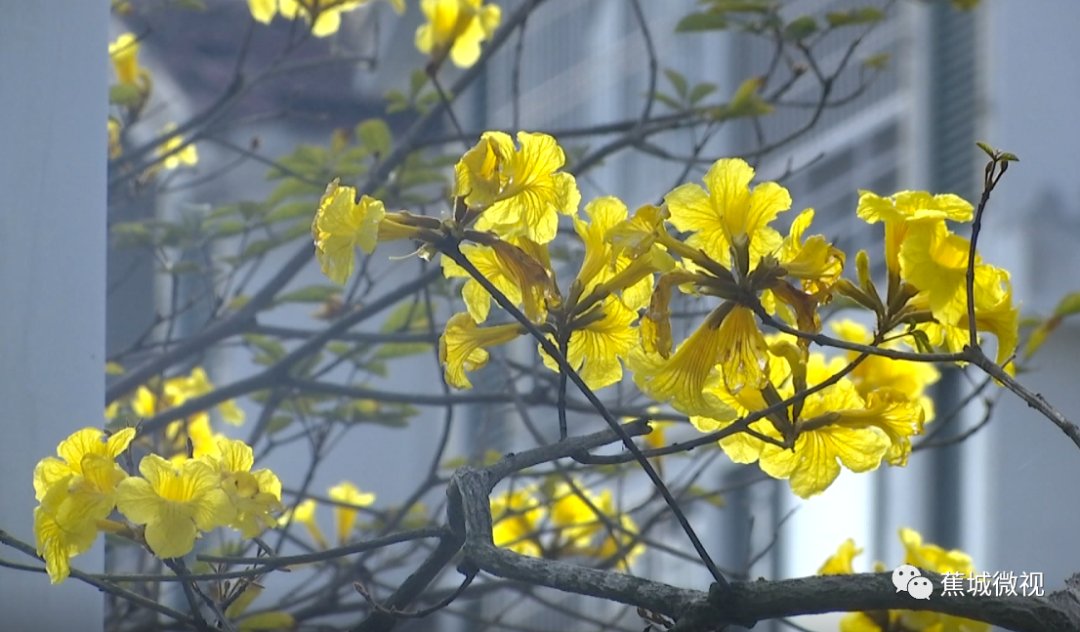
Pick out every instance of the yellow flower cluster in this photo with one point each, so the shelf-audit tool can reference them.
(562, 521)
(926, 557)
(195, 431)
(324, 16)
(716, 241)
(175, 500)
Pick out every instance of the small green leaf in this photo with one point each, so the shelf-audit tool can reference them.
(922, 341)
(800, 28)
(700, 91)
(125, 94)
(268, 349)
(878, 61)
(678, 82)
(374, 134)
(392, 350)
(853, 17)
(698, 22)
(310, 294)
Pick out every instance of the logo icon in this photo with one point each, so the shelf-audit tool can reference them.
(909, 579)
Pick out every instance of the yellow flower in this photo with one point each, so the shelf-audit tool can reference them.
(457, 27)
(124, 53)
(906, 208)
(342, 225)
(254, 495)
(620, 268)
(595, 350)
(815, 261)
(927, 557)
(175, 503)
(463, 346)
(323, 15)
(520, 191)
(931, 557)
(621, 542)
(573, 518)
(477, 300)
(518, 268)
(76, 491)
(840, 563)
(683, 379)
(876, 373)
(516, 516)
(743, 353)
(177, 151)
(304, 513)
(836, 428)
(88, 447)
(57, 542)
(729, 210)
(345, 517)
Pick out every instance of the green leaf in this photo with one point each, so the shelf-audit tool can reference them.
(278, 423)
(310, 294)
(406, 317)
(1068, 305)
(374, 134)
(417, 80)
(922, 341)
(671, 102)
(700, 91)
(800, 28)
(125, 94)
(292, 210)
(853, 17)
(678, 82)
(699, 22)
(268, 350)
(877, 61)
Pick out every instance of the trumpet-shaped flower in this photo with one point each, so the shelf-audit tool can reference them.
(84, 449)
(254, 495)
(743, 354)
(684, 377)
(345, 517)
(728, 210)
(520, 191)
(175, 503)
(463, 346)
(596, 349)
(124, 53)
(457, 28)
(304, 513)
(905, 209)
(516, 516)
(614, 259)
(75, 492)
(58, 542)
(815, 261)
(340, 226)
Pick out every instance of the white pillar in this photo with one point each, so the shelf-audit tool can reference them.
(53, 69)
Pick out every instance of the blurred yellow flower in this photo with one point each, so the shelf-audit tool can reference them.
(176, 151)
(345, 517)
(304, 513)
(457, 28)
(516, 517)
(124, 53)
